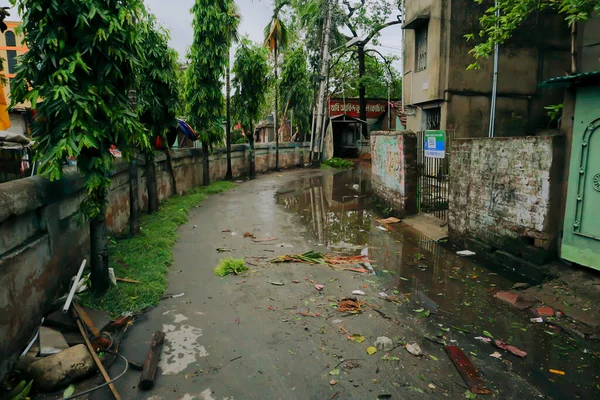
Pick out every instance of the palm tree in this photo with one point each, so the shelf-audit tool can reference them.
(234, 21)
(276, 39)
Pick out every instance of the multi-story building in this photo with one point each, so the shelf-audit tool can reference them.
(439, 91)
(11, 48)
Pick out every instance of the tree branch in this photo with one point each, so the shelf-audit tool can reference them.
(379, 29)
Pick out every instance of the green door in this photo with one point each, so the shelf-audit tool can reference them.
(581, 239)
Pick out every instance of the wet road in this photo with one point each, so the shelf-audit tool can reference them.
(243, 337)
(339, 211)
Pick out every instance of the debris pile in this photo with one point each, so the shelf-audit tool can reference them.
(71, 344)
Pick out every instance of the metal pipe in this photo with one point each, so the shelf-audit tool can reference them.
(495, 83)
(74, 287)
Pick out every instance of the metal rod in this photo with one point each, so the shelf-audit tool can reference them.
(495, 82)
(74, 287)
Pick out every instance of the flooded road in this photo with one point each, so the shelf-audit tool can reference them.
(336, 211)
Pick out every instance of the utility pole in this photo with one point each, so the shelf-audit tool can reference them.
(318, 133)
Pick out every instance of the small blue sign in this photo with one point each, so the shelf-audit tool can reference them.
(435, 144)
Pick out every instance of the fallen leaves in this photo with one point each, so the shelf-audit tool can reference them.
(371, 350)
(349, 304)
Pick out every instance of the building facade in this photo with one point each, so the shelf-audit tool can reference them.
(11, 48)
(439, 91)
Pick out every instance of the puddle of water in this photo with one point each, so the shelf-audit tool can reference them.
(338, 212)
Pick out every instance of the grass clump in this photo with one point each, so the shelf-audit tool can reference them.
(230, 266)
(339, 163)
(147, 256)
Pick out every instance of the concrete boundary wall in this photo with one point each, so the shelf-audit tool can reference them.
(42, 244)
(505, 195)
(394, 170)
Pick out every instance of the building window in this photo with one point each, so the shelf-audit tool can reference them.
(11, 58)
(10, 39)
(433, 117)
(421, 47)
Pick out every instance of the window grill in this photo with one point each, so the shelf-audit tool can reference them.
(421, 48)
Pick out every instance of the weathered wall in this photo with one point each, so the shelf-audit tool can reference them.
(540, 50)
(42, 245)
(394, 169)
(188, 165)
(504, 194)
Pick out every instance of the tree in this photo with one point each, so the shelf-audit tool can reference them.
(81, 62)
(234, 21)
(371, 20)
(296, 88)
(343, 77)
(158, 95)
(500, 21)
(250, 80)
(276, 39)
(208, 61)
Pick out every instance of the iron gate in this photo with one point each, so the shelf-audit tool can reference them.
(433, 177)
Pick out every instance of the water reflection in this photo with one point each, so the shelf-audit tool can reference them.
(337, 210)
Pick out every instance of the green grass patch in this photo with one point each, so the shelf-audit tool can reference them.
(339, 163)
(147, 256)
(230, 266)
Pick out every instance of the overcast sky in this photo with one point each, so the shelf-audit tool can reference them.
(175, 16)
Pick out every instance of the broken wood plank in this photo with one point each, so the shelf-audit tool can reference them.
(151, 363)
(87, 321)
(127, 280)
(112, 387)
(467, 370)
(269, 239)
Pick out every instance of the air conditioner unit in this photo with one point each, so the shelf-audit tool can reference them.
(410, 111)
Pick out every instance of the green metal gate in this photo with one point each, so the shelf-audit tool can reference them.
(581, 238)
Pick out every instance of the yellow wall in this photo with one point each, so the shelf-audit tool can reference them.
(20, 49)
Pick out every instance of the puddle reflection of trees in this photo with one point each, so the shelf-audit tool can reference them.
(336, 208)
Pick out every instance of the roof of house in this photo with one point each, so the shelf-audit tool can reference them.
(585, 78)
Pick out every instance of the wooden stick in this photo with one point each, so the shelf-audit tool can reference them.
(112, 387)
(127, 280)
(151, 363)
(82, 315)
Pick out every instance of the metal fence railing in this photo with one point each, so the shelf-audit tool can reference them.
(433, 179)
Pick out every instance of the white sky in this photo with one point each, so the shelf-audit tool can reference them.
(175, 16)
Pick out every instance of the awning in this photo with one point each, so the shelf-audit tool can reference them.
(417, 21)
(346, 118)
(14, 141)
(586, 78)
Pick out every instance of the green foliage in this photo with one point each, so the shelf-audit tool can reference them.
(339, 163)
(249, 82)
(159, 80)
(208, 59)
(147, 256)
(555, 112)
(344, 77)
(276, 32)
(295, 87)
(514, 13)
(82, 59)
(230, 266)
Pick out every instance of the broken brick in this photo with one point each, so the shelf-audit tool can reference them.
(517, 300)
(544, 311)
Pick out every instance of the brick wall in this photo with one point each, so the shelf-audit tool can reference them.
(42, 244)
(504, 195)
(394, 170)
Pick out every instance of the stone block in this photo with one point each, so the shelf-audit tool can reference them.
(61, 369)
